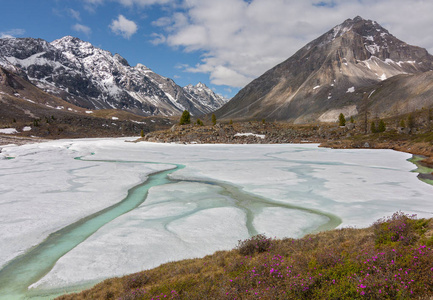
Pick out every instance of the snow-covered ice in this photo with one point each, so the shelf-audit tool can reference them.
(44, 189)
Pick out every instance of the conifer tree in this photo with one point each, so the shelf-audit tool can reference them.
(382, 126)
(341, 120)
(213, 119)
(373, 127)
(410, 121)
(185, 118)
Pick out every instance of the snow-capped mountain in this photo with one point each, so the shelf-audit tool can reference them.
(93, 78)
(202, 95)
(329, 75)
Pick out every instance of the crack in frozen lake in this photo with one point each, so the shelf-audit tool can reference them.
(226, 193)
(23, 271)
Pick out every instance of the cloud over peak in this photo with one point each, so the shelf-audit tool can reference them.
(240, 40)
(124, 27)
(12, 33)
(82, 28)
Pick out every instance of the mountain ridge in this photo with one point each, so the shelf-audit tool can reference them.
(93, 78)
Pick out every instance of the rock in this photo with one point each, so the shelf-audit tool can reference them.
(403, 130)
(350, 126)
(366, 145)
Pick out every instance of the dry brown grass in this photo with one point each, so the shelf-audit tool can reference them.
(339, 264)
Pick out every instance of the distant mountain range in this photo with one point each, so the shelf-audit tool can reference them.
(356, 61)
(354, 66)
(92, 78)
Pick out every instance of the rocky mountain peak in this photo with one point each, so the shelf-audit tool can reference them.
(198, 87)
(75, 46)
(327, 72)
(368, 29)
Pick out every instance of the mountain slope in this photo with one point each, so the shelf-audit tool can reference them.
(327, 73)
(93, 78)
(32, 112)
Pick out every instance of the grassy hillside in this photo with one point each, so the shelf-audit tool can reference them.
(392, 259)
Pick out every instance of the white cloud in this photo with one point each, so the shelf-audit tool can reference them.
(82, 28)
(129, 2)
(158, 38)
(242, 39)
(12, 33)
(143, 2)
(74, 14)
(124, 27)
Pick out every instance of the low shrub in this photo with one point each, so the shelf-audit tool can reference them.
(401, 228)
(135, 281)
(133, 295)
(259, 243)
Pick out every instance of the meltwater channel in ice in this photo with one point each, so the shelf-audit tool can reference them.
(215, 195)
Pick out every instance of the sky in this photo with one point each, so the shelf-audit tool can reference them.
(222, 43)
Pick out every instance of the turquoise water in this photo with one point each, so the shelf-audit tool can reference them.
(20, 273)
(25, 270)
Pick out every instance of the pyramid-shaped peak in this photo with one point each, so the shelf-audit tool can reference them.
(357, 20)
(361, 26)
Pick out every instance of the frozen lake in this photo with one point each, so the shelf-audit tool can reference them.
(206, 199)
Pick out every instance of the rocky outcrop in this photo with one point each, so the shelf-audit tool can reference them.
(248, 133)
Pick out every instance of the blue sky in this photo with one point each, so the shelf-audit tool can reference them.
(222, 43)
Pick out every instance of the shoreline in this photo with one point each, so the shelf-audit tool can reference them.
(414, 148)
(6, 140)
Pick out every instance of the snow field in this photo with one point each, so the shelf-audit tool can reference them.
(44, 189)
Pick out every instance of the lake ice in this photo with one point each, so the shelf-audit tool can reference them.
(223, 194)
